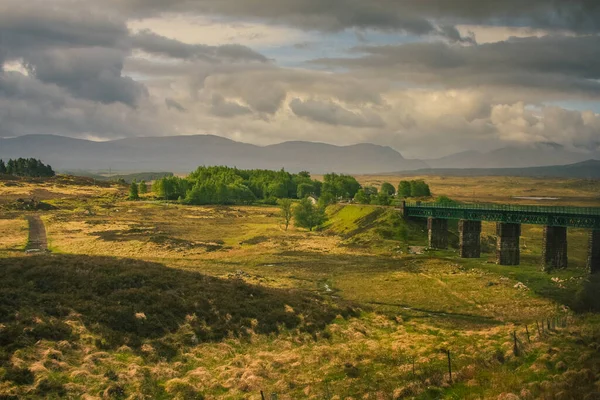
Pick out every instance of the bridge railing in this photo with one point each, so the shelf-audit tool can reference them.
(509, 207)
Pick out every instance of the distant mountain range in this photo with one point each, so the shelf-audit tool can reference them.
(589, 169)
(186, 153)
(541, 154)
(183, 154)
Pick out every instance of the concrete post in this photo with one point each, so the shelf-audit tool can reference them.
(438, 233)
(507, 249)
(470, 238)
(594, 252)
(554, 248)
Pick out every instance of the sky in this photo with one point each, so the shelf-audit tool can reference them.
(427, 78)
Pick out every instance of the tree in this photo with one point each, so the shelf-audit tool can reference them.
(2, 167)
(307, 215)
(387, 188)
(361, 197)
(419, 189)
(133, 191)
(446, 201)
(143, 187)
(382, 199)
(404, 189)
(305, 189)
(285, 207)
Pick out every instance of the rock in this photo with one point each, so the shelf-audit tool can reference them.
(351, 371)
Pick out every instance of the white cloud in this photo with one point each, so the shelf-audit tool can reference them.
(198, 29)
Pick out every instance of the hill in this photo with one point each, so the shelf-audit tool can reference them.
(541, 154)
(589, 169)
(185, 153)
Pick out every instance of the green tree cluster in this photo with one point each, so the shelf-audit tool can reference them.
(26, 167)
(370, 195)
(225, 185)
(417, 188)
(308, 215)
(340, 187)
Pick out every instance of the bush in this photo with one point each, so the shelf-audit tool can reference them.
(587, 298)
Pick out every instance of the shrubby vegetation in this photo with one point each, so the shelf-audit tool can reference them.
(29, 167)
(309, 215)
(370, 195)
(224, 185)
(131, 302)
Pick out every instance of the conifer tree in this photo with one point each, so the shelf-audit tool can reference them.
(133, 191)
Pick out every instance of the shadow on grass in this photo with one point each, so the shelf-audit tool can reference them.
(126, 302)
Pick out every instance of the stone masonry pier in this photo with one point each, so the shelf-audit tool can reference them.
(554, 248)
(593, 263)
(438, 233)
(469, 238)
(507, 249)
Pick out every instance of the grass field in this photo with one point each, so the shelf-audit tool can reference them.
(152, 300)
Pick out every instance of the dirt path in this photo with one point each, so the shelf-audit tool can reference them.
(37, 235)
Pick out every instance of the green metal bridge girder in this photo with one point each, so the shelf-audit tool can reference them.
(577, 217)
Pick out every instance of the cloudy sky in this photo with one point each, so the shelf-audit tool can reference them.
(426, 77)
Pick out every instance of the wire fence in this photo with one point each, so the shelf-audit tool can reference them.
(448, 366)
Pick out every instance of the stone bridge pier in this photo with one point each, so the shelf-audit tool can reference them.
(438, 233)
(593, 263)
(469, 238)
(554, 247)
(507, 246)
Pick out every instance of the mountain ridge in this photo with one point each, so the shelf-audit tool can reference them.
(186, 152)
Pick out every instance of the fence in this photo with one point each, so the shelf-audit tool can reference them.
(444, 368)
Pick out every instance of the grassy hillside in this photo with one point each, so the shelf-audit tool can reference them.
(374, 227)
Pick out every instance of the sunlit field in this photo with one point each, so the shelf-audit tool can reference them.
(147, 299)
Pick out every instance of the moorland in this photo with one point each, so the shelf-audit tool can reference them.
(160, 299)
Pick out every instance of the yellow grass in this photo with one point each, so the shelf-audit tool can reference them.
(415, 305)
(14, 233)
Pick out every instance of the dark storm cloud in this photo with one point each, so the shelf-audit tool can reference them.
(559, 63)
(152, 43)
(412, 16)
(332, 15)
(334, 114)
(76, 48)
(29, 106)
(92, 73)
(34, 25)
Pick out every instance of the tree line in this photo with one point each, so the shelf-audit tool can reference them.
(225, 185)
(26, 167)
(219, 185)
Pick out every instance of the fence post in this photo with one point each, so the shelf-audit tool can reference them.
(516, 345)
(262, 395)
(449, 365)
(538, 328)
(527, 331)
